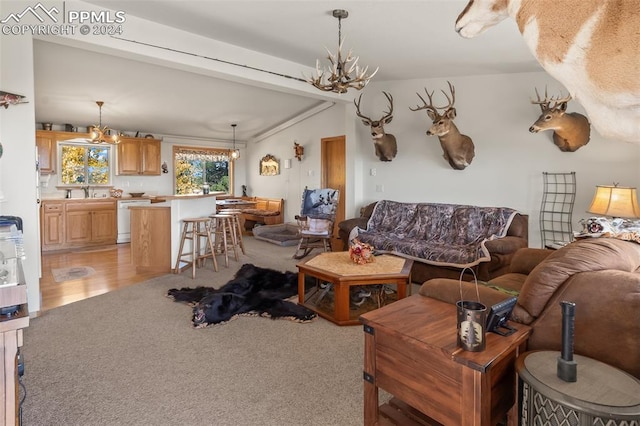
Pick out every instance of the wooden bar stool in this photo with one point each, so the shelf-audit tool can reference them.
(209, 249)
(224, 236)
(236, 216)
(194, 229)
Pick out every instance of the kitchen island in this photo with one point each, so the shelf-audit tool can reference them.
(156, 228)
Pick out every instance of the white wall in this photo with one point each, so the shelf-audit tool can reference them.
(290, 183)
(495, 111)
(18, 163)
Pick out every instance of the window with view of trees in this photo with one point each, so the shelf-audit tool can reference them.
(195, 167)
(84, 164)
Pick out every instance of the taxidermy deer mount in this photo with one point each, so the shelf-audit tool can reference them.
(591, 47)
(570, 130)
(458, 149)
(384, 143)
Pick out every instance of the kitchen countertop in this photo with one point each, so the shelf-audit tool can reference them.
(182, 197)
(81, 199)
(153, 198)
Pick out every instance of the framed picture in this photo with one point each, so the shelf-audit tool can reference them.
(269, 166)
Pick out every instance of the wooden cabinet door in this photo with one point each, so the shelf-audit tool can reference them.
(103, 226)
(46, 145)
(150, 152)
(78, 226)
(52, 226)
(129, 160)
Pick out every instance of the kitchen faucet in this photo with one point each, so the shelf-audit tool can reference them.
(86, 191)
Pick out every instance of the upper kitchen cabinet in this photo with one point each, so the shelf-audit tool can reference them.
(46, 144)
(138, 157)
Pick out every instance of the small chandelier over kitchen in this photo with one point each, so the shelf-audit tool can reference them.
(338, 77)
(100, 134)
(235, 153)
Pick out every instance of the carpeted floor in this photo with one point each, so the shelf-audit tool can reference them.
(130, 357)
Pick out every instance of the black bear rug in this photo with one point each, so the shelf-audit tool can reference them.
(254, 291)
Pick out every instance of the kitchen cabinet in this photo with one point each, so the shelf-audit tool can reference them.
(52, 225)
(138, 156)
(46, 145)
(78, 223)
(151, 238)
(135, 156)
(90, 222)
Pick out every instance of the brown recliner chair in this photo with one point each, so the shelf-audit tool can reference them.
(600, 275)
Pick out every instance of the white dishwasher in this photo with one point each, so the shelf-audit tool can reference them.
(124, 217)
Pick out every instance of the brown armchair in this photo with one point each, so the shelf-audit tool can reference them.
(600, 275)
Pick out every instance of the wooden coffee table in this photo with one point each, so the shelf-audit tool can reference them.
(337, 269)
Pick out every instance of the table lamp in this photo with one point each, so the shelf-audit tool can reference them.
(616, 201)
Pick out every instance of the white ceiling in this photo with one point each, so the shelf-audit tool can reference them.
(405, 39)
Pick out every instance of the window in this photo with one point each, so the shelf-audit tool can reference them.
(85, 164)
(195, 166)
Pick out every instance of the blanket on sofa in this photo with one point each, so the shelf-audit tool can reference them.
(437, 234)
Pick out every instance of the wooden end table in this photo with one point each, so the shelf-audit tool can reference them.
(411, 352)
(339, 270)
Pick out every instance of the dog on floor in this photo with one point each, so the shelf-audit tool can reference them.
(252, 291)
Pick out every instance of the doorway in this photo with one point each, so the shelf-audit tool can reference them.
(333, 166)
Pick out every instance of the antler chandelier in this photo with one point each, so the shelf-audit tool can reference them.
(100, 134)
(338, 76)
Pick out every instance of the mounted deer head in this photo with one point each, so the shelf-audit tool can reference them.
(574, 41)
(570, 130)
(384, 143)
(458, 149)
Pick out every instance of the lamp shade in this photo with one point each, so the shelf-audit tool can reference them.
(615, 201)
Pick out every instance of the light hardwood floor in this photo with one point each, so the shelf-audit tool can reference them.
(113, 268)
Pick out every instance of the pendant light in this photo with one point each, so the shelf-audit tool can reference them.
(235, 153)
(98, 133)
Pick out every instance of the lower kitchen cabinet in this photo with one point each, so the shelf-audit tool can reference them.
(52, 225)
(83, 223)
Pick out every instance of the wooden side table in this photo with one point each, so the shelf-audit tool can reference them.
(601, 395)
(411, 352)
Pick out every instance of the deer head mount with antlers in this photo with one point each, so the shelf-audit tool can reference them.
(591, 47)
(570, 130)
(458, 149)
(384, 143)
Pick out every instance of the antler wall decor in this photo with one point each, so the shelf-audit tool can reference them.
(384, 143)
(570, 130)
(458, 149)
(588, 46)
